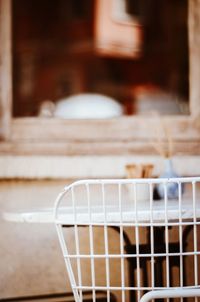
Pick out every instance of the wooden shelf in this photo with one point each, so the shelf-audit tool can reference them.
(120, 136)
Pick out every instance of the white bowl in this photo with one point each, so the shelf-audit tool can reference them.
(88, 106)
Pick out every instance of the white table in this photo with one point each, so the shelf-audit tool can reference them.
(129, 215)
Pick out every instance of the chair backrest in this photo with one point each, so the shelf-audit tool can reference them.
(118, 237)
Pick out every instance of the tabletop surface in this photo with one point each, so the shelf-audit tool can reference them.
(144, 212)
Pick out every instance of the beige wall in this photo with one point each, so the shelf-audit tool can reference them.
(68, 167)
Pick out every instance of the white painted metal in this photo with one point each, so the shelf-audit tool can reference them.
(170, 293)
(86, 207)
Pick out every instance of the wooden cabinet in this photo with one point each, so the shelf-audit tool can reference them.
(124, 135)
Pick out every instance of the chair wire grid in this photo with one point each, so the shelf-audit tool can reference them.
(112, 240)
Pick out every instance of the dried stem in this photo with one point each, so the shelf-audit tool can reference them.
(163, 143)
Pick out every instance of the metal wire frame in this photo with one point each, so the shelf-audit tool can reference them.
(125, 213)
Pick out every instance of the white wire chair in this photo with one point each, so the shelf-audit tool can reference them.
(131, 246)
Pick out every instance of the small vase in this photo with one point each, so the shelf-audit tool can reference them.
(172, 187)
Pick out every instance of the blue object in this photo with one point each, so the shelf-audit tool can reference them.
(172, 188)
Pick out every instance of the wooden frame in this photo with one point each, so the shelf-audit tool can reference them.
(125, 135)
(5, 69)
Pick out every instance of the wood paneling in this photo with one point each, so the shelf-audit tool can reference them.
(93, 148)
(119, 129)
